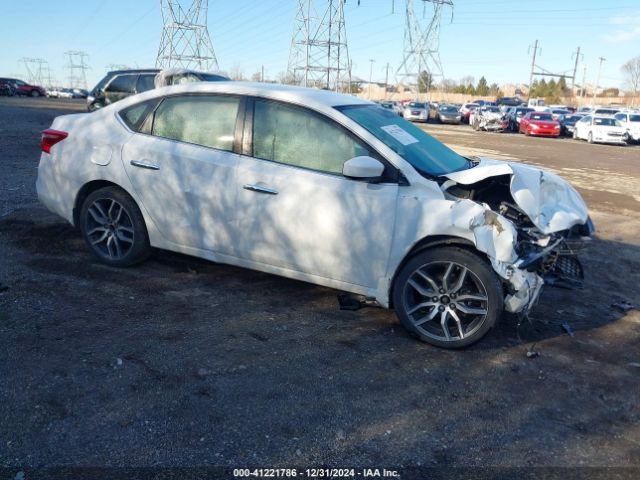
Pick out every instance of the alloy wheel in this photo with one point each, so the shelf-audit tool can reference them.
(445, 301)
(109, 228)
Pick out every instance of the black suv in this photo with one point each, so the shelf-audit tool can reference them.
(120, 84)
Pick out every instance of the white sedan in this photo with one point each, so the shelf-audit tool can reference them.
(631, 122)
(600, 129)
(320, 187)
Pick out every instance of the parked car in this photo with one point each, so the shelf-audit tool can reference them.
(631, 122)
(465, 111)
(509, 101)
(514, 115)
(539, 124)
(7, 88)
(25, 89)
(489, 118)
(65, 93)
(320, 187)
(119, 84)
(558, 113)
(600, 129)
(448, 114)
(568, 123)
(179, 76)
(416, 112)
(606, 111)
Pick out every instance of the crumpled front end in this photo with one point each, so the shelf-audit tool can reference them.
(532, 226)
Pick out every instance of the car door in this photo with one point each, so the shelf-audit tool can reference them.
(182, 166)
(296, 210)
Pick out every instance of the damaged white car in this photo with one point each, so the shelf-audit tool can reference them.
(488, 118)
(319, 187)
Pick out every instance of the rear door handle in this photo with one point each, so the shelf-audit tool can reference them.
(143, 164)
(260, 189)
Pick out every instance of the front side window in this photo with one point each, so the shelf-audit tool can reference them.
(122, 84)
(298, 137)
(205, 120)
(421, 150)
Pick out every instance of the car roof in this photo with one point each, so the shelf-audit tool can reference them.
(139, 70)
(288, 93)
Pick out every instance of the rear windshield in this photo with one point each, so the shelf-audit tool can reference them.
(421, 150)
(541, 116)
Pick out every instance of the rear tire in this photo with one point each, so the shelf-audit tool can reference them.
(113, 228)
(448, 297)
(34, 93)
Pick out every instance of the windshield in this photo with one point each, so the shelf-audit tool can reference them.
(416, 105)
(541, 116)
(492, 109)
(449, 109)
(421, 150)
(609, 122)
(211, 77)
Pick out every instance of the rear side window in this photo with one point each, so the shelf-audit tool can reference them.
(145, 82)
(122, 84)
(298, 137)
(135, 115)
(205, 120)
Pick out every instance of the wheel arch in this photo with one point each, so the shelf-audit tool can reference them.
(426, 243)
(86, 190)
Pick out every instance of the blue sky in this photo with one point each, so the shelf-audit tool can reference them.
(486, 37)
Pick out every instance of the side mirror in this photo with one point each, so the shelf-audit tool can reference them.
(363, 168)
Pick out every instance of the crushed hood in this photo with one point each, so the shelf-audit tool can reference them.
(548, 200)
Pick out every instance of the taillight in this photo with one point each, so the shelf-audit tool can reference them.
(50, 137)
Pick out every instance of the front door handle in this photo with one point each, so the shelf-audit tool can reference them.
(260, 189)
(143, 164)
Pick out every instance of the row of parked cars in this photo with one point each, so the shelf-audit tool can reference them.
(601, 125)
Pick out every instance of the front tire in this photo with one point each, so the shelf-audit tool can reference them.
(590, 138)
(448, 297)
(113, 227)
(34, 93)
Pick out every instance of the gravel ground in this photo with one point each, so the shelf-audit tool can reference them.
(182, 362)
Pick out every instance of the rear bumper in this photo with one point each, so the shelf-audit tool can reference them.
(50, 192)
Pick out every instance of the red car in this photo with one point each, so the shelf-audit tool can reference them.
(539, 124)
(23, 88)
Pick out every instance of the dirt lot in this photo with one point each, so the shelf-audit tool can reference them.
(181, 362)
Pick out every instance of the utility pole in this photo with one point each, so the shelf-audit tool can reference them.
(533, 65)
(262, 74)
(185, 41)
(575, 70)
(422, 43)
(318, 56)
(595, 90)
(77, 66)
(371, 60)
(584, 79)
(386, 82)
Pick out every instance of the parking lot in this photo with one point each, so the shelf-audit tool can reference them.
(182, 362)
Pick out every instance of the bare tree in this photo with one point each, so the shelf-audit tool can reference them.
(631, 69)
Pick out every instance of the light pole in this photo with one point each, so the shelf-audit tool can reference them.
(371, 60)
(602, 59)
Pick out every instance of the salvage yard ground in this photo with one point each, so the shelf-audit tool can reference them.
(182, 362)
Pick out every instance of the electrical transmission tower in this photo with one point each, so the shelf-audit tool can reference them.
(77, 67)
(38, 72)
(421, 45)
(185, 40)
(319, 56)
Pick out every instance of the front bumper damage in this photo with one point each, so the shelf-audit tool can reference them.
(531, 238)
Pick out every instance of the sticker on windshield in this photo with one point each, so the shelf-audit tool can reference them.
(404, 137)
